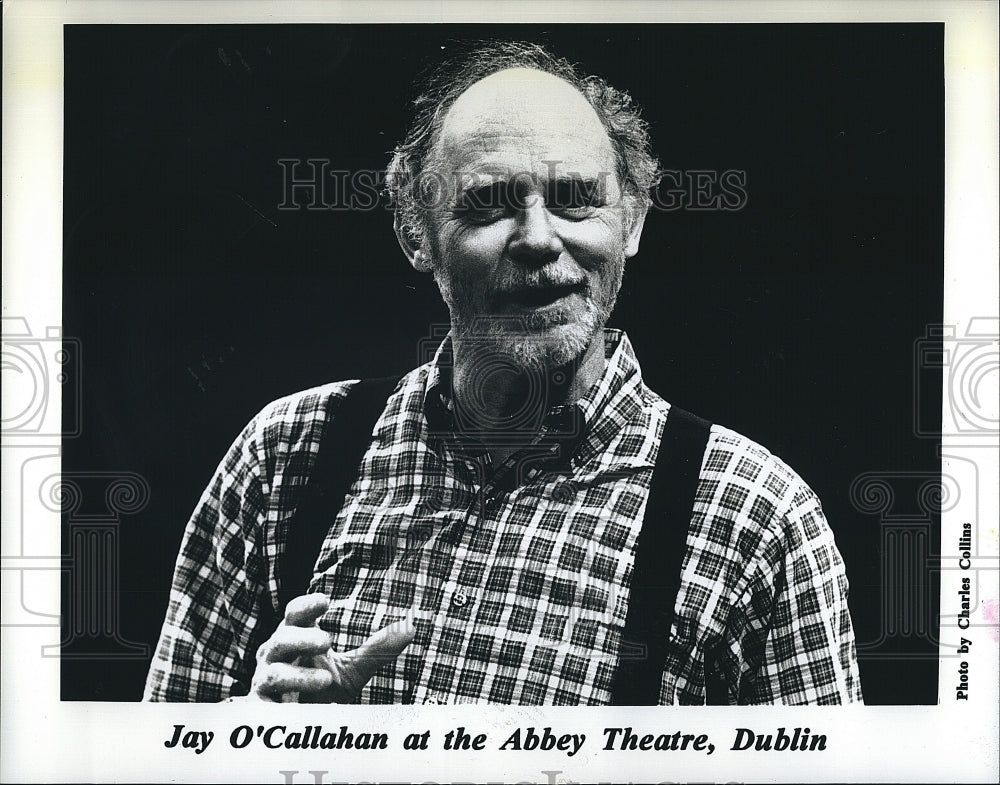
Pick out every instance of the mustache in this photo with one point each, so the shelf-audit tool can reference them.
(533, 283)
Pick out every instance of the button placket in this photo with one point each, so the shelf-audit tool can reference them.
(454, 609)
(446, 539)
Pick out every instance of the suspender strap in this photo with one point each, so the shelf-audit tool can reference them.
(342, 445)
(659, 555)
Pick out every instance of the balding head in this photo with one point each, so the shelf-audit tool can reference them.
(524, 64)
(523, 94)
(523, 123)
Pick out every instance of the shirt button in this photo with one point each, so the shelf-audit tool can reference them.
(431, 504)
(564, 491)
(459, 599)
(492, 503)
(433, 697)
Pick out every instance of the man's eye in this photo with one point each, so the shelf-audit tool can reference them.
(573, 196)
(488, 203)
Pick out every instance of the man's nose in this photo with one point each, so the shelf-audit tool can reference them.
(535, 239)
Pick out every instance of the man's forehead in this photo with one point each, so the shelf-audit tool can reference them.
(523, 110)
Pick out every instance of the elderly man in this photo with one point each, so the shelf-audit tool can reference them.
(521, 520)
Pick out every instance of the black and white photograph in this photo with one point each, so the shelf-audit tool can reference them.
(524, 363)
(258, 205)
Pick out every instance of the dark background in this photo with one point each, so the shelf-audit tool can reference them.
(793, 320)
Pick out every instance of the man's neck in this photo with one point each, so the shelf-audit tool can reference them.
(497, 396)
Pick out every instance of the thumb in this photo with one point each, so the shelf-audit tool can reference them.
(388, 643)
(354, 669)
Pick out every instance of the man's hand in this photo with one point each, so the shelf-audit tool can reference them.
(297, 664)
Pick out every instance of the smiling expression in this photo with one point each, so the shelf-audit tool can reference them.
(528, 243)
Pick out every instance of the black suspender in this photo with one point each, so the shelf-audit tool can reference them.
(659, 553)
(345, 436)
(341, 448)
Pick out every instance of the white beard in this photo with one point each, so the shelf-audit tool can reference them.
(534, 342)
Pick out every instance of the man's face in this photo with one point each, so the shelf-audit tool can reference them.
(529, 243)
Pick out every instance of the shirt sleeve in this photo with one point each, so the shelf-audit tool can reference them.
(216, 585)
(809, 652)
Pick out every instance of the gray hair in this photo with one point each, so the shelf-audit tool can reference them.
(637, 168)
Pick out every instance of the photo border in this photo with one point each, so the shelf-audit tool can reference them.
(44, 739)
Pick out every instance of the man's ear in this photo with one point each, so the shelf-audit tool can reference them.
(417, 257)
(635, 230)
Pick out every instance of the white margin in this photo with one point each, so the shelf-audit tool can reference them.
(45, 740)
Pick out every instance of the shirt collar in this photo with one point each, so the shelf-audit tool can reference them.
(621, 372)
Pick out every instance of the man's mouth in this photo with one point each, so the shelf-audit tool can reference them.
(531, 297)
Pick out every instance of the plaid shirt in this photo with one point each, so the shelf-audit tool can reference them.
(518, 575)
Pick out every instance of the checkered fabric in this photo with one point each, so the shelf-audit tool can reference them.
(518, 575)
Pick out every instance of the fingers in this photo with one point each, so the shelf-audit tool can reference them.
(354, 669)
(298, 635)
(305, 610)
(388, 643)
(297, 658)
(287, 643)
(279, 678)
